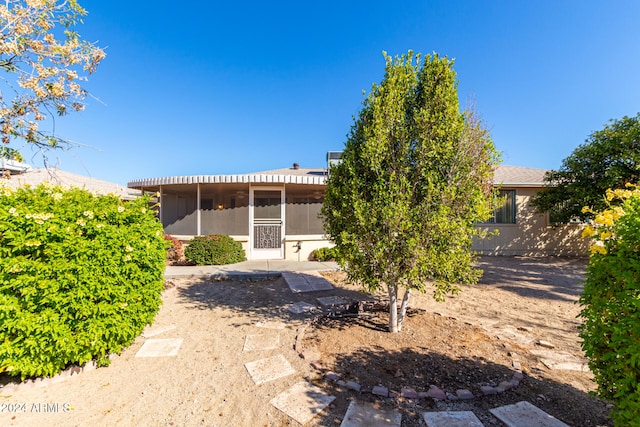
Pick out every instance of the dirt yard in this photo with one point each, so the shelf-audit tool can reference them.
(469, 341)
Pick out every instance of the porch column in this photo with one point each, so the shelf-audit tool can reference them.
(198, 212)
(161, 206)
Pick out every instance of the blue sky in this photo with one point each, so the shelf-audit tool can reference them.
(199, 88)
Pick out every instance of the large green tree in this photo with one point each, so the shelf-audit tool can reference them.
(415, 176)
(42, 62)
(608, 159)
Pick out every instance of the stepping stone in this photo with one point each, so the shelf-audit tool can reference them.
(148, 333)
(451, 419)
(362, 414)
(301, 307)
(302, 401)
(269, 369)
(160, 347)
(331, 301)
(271, 324)
(261, 342)
(524, 414)
(306, 282)
(297, 283)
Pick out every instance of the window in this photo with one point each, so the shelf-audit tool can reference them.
(505, 208)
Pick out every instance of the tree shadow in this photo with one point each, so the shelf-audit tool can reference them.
(268, 299)
(550, 278)
(422, 368)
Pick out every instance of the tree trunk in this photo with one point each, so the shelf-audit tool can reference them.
(393, 307)
(403, 308)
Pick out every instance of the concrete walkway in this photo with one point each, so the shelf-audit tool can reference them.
(303, 401)
(249, 269)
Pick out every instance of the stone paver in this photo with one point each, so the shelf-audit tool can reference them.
(302, 401)
(310, 281)
(152, 332)
(261, 342)
(524, 414)
(331, 301)
(271, 324)
(160, 347)
(451, 419)
(362, 414)
(269, 369)
(301, 307)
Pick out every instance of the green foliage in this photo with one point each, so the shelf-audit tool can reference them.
(324, 254)
(415, 176)
(609, 159)
(214, 249)
(611, 307)
(80, 277)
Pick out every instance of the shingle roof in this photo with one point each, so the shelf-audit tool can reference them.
(519, 176)
(68, 179)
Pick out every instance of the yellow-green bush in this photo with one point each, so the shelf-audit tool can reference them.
(611, 304)
(80, 277)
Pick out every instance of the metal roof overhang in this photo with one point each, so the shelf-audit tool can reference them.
(228, 179)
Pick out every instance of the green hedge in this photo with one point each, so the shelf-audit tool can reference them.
(611, 305)
(80, 277)
(214, 249)
(323, 254)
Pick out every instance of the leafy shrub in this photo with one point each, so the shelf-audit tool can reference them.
(80, 277)
(175, 252)
(323, 254)
(611, 312)
(214, 249)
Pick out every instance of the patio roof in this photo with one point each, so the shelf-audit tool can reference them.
(315, 176)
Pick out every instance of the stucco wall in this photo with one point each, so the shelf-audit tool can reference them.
(308, 244)
(532, 235)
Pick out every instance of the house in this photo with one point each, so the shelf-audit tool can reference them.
(274, 214)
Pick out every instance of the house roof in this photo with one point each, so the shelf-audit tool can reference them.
(516, 176)
(67, 180)
(513, 176)
(277, 176)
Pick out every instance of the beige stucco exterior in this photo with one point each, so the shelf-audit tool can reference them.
(532, 234)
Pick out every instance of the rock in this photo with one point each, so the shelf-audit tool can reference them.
(435, 393)
(409, 393)
(380, 391)
(545, 344)
(352, 385)
(488, 390)
(332, 376)
(464, 394)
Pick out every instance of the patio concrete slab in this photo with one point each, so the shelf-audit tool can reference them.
(271, 324)
(451, 419)
(301, 307)
(302, 401)
(363, 414)
(160, 347)
(261, 342)
(269, 369)
(524, 414)
(331, 301)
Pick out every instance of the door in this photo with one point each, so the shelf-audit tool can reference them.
(266, 219)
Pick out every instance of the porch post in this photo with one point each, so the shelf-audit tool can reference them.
(198, 213)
